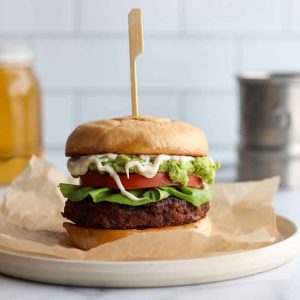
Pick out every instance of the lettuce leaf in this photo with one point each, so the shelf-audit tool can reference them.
(77, 193)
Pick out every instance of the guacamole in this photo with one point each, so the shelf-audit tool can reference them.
(203, 167)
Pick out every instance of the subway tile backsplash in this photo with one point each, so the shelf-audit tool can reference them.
(76, 64)
(36, 16)
(235, 16)
(58, 113)
(193, 50)
(110, 16)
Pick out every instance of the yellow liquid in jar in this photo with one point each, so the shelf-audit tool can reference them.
(20, 130)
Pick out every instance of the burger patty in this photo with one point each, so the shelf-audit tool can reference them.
(171, 211)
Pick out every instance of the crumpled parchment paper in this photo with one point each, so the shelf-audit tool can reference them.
(242, 215)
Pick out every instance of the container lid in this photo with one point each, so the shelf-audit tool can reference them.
(15, 53)
(269, 77)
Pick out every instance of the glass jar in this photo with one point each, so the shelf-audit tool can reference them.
(20, 130)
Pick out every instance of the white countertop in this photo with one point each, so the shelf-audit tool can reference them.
(281, 283)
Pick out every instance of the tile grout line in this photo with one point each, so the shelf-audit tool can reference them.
(77, 109)
(76, 17)
(182, 106)
(147, 91)
(285, 14)
(181, 15)
(238, 54)
(52, 35)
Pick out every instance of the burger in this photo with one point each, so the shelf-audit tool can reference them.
(136, 174)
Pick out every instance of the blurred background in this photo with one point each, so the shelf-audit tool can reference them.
(193, 51)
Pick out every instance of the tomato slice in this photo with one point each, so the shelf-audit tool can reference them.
(135, 181)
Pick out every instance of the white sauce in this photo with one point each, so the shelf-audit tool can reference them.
(147, 168)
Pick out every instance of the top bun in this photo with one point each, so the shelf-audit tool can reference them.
(137, 135)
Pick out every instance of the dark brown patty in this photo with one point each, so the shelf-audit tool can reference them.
(168, 212)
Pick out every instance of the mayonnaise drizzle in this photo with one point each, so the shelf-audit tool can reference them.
(147, 169)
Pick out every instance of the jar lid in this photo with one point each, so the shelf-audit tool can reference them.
(15, 53)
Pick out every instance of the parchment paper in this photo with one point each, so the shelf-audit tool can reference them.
(242, 215)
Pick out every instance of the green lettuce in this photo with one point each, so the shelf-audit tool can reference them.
(77, 193)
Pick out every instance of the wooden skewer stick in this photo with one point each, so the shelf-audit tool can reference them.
(136, 47)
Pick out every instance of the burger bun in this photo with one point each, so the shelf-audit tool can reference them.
(139, 135)
(88, 238)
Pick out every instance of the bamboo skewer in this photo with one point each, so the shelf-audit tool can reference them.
(136, 47)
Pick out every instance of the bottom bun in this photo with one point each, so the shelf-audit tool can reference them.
(87, 238)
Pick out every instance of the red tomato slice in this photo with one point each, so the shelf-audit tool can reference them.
(135, 181)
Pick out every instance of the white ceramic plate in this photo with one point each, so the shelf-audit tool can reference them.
(154, 273)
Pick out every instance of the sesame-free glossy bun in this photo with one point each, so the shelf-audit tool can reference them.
(88, 238)
(140, 135)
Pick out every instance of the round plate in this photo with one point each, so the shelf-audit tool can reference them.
(154, 273)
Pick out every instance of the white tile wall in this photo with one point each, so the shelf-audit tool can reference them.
(33, 16)
(58, 113)
(57, 158)
(193, 48)
(109, 106)
(233, 15)
(293, 14)
(82, 63)
(103, 106)
(184, 64)
(174, 64)
(161, 105)
(220, 120)
(271, 54)
(111, 16)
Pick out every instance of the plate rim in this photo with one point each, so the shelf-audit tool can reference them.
(154, 262)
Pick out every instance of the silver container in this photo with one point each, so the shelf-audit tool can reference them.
(270, 110)
(260, 164)
(270, 126)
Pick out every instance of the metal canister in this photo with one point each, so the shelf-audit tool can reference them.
(270, 127)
